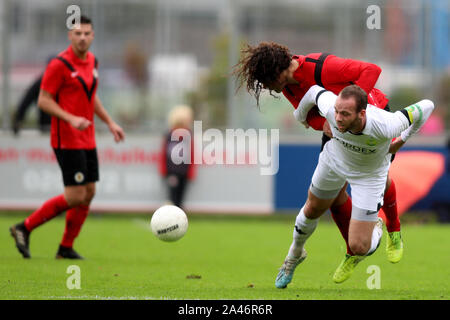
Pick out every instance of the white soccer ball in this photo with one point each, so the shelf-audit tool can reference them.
(169, 223)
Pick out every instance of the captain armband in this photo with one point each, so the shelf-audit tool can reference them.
(413, 113)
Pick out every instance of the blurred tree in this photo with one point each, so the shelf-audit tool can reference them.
(209, 101)
(135, 61)
(402, 97)
(405, 96)
(444, 98)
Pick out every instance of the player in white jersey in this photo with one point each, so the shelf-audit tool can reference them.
(359, 154)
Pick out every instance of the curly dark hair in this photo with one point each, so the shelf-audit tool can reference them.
(261, 65)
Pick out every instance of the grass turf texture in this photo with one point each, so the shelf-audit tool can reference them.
(219, 258)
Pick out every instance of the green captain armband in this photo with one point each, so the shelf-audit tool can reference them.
(413, 112)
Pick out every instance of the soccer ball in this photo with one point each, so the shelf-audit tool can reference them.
(169, 223)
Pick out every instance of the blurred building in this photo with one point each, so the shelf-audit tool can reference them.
(156, 54)
(186, 62)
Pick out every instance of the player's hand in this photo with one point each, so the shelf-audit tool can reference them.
(396, 145)
(117, 132)
(327, 129)
(305, 123)
(79, 123)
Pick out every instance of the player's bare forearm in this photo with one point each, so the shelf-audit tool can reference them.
(47, 103)
(327, 129)
(101, 112)
(396, 145)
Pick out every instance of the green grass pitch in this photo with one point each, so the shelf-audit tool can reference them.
(219, 258)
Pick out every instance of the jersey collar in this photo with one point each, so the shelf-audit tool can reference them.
(75, 58)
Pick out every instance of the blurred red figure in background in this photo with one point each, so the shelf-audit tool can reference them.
(177, 175)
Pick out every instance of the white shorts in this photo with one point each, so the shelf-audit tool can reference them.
(367, 190)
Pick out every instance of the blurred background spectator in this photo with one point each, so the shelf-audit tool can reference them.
(29, 99)
(179, 144)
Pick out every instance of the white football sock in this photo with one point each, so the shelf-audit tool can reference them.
(304, 227)
(376, 238)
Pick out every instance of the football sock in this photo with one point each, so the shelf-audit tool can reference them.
(376, 237)
(304, 227)
(75, 218)
(50, 209)
(341, 216)
(390, 209)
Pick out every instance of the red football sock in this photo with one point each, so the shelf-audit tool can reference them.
(390, 209)
(341, 216)
(75, 218)
(50, 209)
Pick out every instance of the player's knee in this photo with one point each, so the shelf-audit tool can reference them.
(90, 194)
(312, 211)
(340, 199)
(359, 247)
(315, 207)
(76, 198)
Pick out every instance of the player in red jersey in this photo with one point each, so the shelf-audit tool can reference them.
(68, 94)
(271, 66)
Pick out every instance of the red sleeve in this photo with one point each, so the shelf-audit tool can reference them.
(314, 119)
(192, 170)
(162, 159)
(291, 99)
(53, 77)
(338, 70)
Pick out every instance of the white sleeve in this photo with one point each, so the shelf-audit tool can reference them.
(325, 100)
(417, 114)
(314, 96)
(391, 125)
(405, 122)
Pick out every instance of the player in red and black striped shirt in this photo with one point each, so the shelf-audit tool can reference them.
(68, 94)
(271, 66)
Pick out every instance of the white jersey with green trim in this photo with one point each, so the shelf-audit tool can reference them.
(365, 152)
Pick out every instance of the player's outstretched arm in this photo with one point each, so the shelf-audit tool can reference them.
(406, 122)
(101, 112)
(417, 114)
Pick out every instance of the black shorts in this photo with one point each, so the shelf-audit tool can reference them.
(78, 166)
